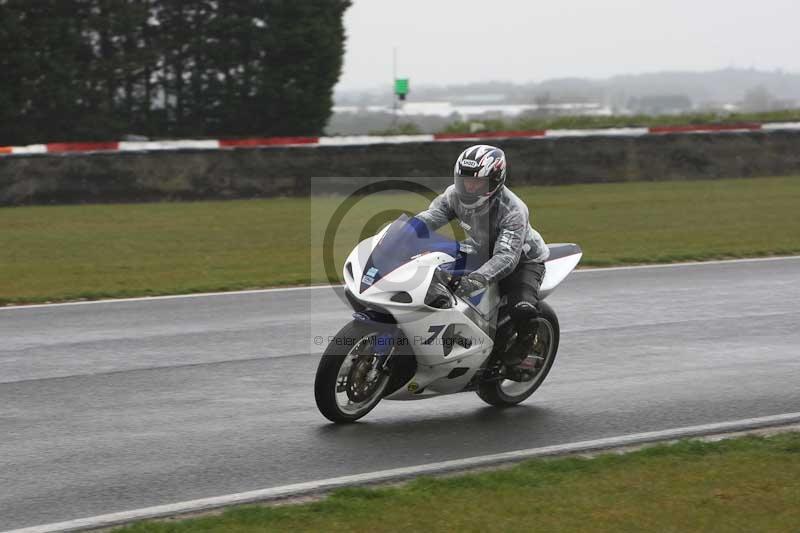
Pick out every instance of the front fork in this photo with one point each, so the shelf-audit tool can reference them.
(384, 342)
(385, 350)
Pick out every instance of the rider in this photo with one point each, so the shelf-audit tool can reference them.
(497, 223)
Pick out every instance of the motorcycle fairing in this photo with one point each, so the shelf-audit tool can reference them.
(403, 258)
(433, 333)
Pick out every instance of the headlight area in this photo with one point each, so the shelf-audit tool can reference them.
(371, 312)
(354, 302)
(401, 298)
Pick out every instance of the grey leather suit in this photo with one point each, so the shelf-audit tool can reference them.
(500, 230)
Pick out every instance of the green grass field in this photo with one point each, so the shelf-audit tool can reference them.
(99, 251)
(741, 485)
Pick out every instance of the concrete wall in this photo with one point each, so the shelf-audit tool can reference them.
(265, 172)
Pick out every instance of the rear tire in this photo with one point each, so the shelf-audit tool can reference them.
(494, 393)
(333, 390)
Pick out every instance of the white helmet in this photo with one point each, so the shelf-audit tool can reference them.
(479, 173)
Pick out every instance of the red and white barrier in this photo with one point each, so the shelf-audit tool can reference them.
(362, 140)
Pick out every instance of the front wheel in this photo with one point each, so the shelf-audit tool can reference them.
(505, 392)
(350, 378)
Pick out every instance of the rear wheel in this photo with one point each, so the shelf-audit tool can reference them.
(505, 392)
(350, 379)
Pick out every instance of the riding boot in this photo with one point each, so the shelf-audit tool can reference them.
(524, 315)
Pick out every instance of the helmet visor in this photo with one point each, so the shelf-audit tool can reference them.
(471, 187)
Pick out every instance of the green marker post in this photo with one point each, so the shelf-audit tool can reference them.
(401, 88)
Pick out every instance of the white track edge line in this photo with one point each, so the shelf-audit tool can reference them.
(689, 263)
(169, 297)
(396, 474)
(316, 287)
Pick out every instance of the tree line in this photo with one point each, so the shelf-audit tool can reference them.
(101, 69)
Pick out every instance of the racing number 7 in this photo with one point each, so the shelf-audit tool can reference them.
(435, 330)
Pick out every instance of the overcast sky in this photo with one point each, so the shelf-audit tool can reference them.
(456, 41)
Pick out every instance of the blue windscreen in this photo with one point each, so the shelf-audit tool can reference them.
(405, 239)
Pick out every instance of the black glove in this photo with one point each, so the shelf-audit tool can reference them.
(470, 284)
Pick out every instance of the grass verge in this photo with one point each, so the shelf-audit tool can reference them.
(744, 484)
(106, 251)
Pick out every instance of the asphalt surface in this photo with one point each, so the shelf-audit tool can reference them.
(116, 406)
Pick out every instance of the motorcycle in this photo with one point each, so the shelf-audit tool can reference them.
(413, 338)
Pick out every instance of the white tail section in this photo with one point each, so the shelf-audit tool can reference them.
(563, 260)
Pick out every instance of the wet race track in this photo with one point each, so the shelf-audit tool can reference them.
(119, 405)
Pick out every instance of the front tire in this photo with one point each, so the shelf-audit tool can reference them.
(348, 384)
(505, 393)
